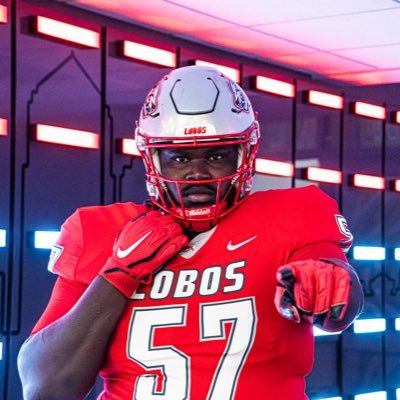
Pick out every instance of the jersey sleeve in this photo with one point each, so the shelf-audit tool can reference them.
(324, 232)
(87, 238)
(64, 296)
(66, 252)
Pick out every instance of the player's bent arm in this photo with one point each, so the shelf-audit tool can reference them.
(63, 359)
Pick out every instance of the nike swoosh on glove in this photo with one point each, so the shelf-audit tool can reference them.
(317, 291)
(141, 249)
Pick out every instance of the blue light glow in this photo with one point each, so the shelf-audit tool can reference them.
(397, 253)
(397, 324)
(398, 394)
(371, 396)
(320, 332)
(369, 253)
(329, 398)
(1, 351)
(3, 238)
(369, 325)
(45, 239)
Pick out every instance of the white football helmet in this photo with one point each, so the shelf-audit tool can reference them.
(197, 107)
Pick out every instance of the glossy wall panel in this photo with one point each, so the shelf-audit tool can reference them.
(62, 90)
(318, 144)
(391, 271)
(275, 116)
(128, 83)
(5, 186)
(318, 137)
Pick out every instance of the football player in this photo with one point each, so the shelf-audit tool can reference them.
(210, 292)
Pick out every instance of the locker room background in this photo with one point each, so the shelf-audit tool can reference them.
(48, 81)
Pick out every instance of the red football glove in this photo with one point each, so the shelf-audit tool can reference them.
(317, 291)
(141, 249)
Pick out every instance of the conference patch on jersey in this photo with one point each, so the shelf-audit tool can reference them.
(344, 229)
(55, 254)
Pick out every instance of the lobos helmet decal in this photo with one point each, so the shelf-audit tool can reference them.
(240, 100)
(150, 105)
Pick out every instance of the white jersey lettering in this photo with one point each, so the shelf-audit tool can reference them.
(187, 282)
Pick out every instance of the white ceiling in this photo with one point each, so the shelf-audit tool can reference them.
(356, 41)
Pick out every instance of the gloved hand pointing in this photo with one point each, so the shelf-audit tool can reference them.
(317, 291)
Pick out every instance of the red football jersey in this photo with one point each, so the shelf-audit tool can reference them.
(207, 327)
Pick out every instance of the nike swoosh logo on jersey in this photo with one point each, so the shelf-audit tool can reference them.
(232, 247)
(123, 253)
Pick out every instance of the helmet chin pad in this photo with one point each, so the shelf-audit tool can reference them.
(199, 219)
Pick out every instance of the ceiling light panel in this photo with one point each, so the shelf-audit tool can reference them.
(254, 42)
(338, 32)
(325, 63)
(374, 77)
(159, 13)
(316, 30)
(256, 12)
(386, 56)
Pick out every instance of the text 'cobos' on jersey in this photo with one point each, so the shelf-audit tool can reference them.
(187, 282)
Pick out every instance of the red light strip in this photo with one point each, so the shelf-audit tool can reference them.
(68, 32)
(3, 14)
(271, 167)
(3, 127)
(369, 181)
(129, 147)
(396, 185)
(397, 117)
(68, 137)
(149, 54)
(325, 99)
(274, 86)
(369, 110)
(324, 175)
(232, 73)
